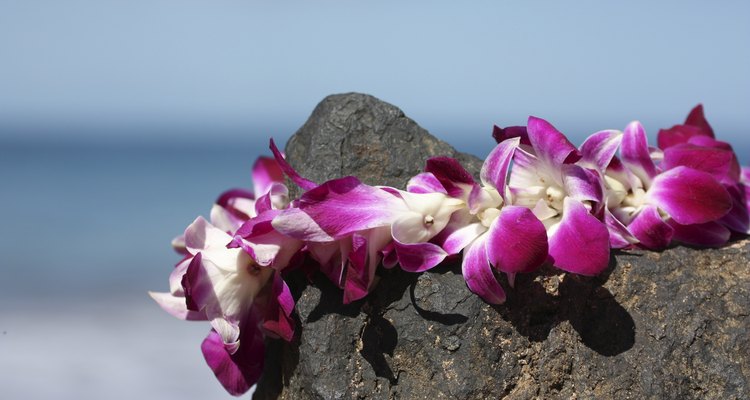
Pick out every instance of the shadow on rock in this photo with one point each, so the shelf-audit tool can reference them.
(379, 337)
(542, 301)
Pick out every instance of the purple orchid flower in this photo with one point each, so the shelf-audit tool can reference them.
(693, 144)
(230, 276)
(564, 195)
(352, 223)
(239, 297)
(658, 203)
(491, 233)
(348, 227)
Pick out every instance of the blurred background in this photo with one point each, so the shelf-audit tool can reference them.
(121, 121)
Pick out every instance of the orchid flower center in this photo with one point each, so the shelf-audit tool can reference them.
(554, 197)
(486, 217)
(429, 220)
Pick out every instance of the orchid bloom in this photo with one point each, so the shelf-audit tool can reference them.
(362, 222)
(236, 295)
(490, 232)
(565, 196)
(347, 226)
(693, 144)
(237, 288)
(656, 203)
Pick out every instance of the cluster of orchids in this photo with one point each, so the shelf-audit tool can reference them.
(539, 201)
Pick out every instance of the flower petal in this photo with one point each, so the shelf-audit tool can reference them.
(236, 372)
(599, 149)
(276, 198)
(479, 275)
(277, 317)
(689, 196)
(516, 241)
(650, 229)
(738, 218)
(709, 234)
(635, 153)
(418, 257)
(266, 171)
(452, 175)
(675, 135)
(461, 230)
(550, 145)
(176, 306)
(511, 132)
(582, 184)
(425, 183)
(295, 223)
(363, 262)
(619, 235)
(715, 161)
(345, 206)
(495, 168)
(304, 183)
(580, 244)
(697, 118)
(266, 245)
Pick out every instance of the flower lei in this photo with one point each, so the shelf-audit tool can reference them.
(539, 200)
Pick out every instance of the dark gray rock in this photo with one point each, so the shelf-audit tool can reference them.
(357, 134)
(667, 325)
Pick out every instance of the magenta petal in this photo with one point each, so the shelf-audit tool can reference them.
(510, 132)
(650, 229)
(580, 244)
(451, 175)
(278, 310)
(709, 234)
(517, 241)
(227, 198)
(197, 286)
(599, 148)
(304, 183)
(343, 206)
(619, 235)
(697, 118)
(418, 257)
(675, 135)
(236, 372)
(495, 168)
(390, 259)
(715, 161)
(425, 183)
(266, 171)
(276, 198)
(295, 223)
(582, 184)
(359, 276)
(738, 218)
(479, 275)
(689, 196)
(263, 243)
(462, 229)
(635, 153)
(549, 144)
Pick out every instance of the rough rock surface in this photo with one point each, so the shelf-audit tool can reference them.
(662, 325)
(357, 134)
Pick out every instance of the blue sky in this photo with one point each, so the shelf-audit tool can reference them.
(120, 69)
